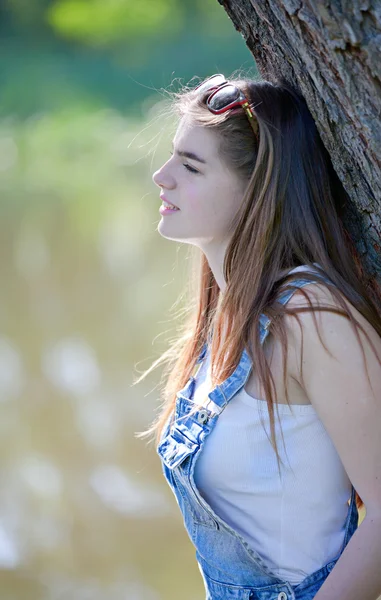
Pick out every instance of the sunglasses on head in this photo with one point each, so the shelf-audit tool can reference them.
(225, 96)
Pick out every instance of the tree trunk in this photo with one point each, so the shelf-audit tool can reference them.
(331, 52)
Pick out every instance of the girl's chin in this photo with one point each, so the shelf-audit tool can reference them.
(169, 233)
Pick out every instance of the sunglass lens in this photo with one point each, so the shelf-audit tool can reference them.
(211, 82)
(223, 97)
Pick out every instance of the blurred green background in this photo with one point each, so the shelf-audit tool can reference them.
(88, 288)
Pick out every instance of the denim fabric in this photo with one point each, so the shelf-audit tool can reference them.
(229, 567)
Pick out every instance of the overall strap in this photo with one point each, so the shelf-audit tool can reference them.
(287, 294)
(264, 320)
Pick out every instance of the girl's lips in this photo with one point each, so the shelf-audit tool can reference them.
(164, 199)
(164, 210)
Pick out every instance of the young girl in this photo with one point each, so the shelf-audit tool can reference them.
(274, 324)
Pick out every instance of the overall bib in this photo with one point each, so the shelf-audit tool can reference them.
(229, 567)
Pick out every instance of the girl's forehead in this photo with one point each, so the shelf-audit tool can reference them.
(190, 133)
(187, 129)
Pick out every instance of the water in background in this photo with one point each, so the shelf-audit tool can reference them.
(87, 282)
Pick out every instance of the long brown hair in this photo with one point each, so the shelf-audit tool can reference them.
(290, 215)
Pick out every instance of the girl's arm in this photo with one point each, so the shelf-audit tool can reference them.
(338, 388)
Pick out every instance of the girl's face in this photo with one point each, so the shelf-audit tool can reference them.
(195, 180)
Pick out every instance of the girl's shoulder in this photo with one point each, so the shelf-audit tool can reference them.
(316, 331)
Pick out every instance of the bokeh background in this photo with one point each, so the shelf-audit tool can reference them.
(88, 286)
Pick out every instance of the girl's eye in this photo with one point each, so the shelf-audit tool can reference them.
(186, 166)
(189, 168)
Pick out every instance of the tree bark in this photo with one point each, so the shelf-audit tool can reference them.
(330, 50)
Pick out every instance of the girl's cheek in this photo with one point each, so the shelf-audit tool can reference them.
(196, 200)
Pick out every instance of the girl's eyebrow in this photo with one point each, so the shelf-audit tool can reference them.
(190, 155)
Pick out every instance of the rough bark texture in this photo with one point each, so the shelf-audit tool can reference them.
(330, 50)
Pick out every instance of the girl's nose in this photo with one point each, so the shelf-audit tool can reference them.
(163, 178)
(156, 177)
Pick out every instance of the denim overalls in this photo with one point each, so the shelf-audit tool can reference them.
(229, 567)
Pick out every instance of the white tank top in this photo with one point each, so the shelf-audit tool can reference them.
(296, 522)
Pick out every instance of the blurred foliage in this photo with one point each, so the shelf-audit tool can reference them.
(103, 24)
(100, 23)
(83, 164)
(59, 53)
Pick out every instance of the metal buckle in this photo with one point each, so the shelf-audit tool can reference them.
(203, 416)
